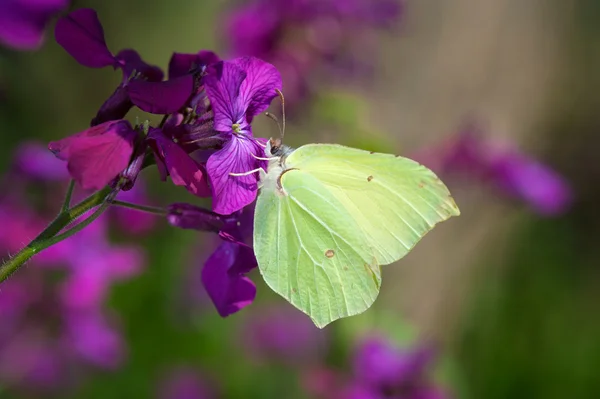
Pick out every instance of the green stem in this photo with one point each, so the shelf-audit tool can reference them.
(143, 208)
(49, 236)
(67, 202)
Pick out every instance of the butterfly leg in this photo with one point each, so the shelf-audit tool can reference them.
(261, 172)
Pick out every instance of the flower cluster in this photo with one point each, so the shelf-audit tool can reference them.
(473, 155)
(53, 317)
(309, 38)
(204, 143)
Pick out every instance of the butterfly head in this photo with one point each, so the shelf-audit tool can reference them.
(275, 148)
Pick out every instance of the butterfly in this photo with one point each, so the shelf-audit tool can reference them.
(328, 216)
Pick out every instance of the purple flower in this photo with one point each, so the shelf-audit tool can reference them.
(131, 221)
(23, 22)
(511, 171)
(94, 265)
(183, 383)
(33, 160)
(304, 38)
(283, 335)
(223, 274)
(97, 155)
(172, 160)
(238, 90)
(81, 34)
(381, 370)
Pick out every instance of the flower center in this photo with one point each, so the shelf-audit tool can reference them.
(237, 128)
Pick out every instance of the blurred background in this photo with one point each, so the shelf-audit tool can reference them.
(499, 97)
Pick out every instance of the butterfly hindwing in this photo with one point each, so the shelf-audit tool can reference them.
(317, 261)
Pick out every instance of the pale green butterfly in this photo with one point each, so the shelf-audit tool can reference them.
(327, 216)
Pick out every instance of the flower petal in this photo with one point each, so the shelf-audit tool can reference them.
(230, 292)
(97, 155)
(81, 35)
(131, 61)
(232, 193)
(22, 25)
(183, 64)
(187, 216)
(184, 171)
(222, 84)
(259, 88)
(115, 107)
(161, 97)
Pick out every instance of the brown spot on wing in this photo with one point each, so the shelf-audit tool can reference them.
(330, 253)
(371, 152)
(369, 178)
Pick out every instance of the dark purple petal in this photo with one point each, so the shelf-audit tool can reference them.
(184, 171)
(245, 259)
(259, 88)
(115, 107)
(229, 291)
(161, 97)
(22, 22)
(232, 193)
(97, 155)
(184, 64)
(187, 216)
(81, 35)
(222, 86)
(131, 61)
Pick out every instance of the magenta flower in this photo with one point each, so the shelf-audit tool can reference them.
(382, 370)
(172, 160)
(82, 36)
(238, 90)
(97, 155)
(34, 161)
(306, 38)
(224, 272)
(23, 22)
(183, 383)
(283, 335)
(52, 325)
(470, 154)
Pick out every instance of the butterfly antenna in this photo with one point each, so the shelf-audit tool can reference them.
(280, 94)
(274, 118)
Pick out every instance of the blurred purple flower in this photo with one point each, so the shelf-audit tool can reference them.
(514, 173)
(183, 383)
(283, 335)
(94, 265)
(97, 155)
(223, 274)
(52, 313)
(302, 37)
(129, 220)
(33, 160)
(23, 22)
(238, 90)
(381, 370)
